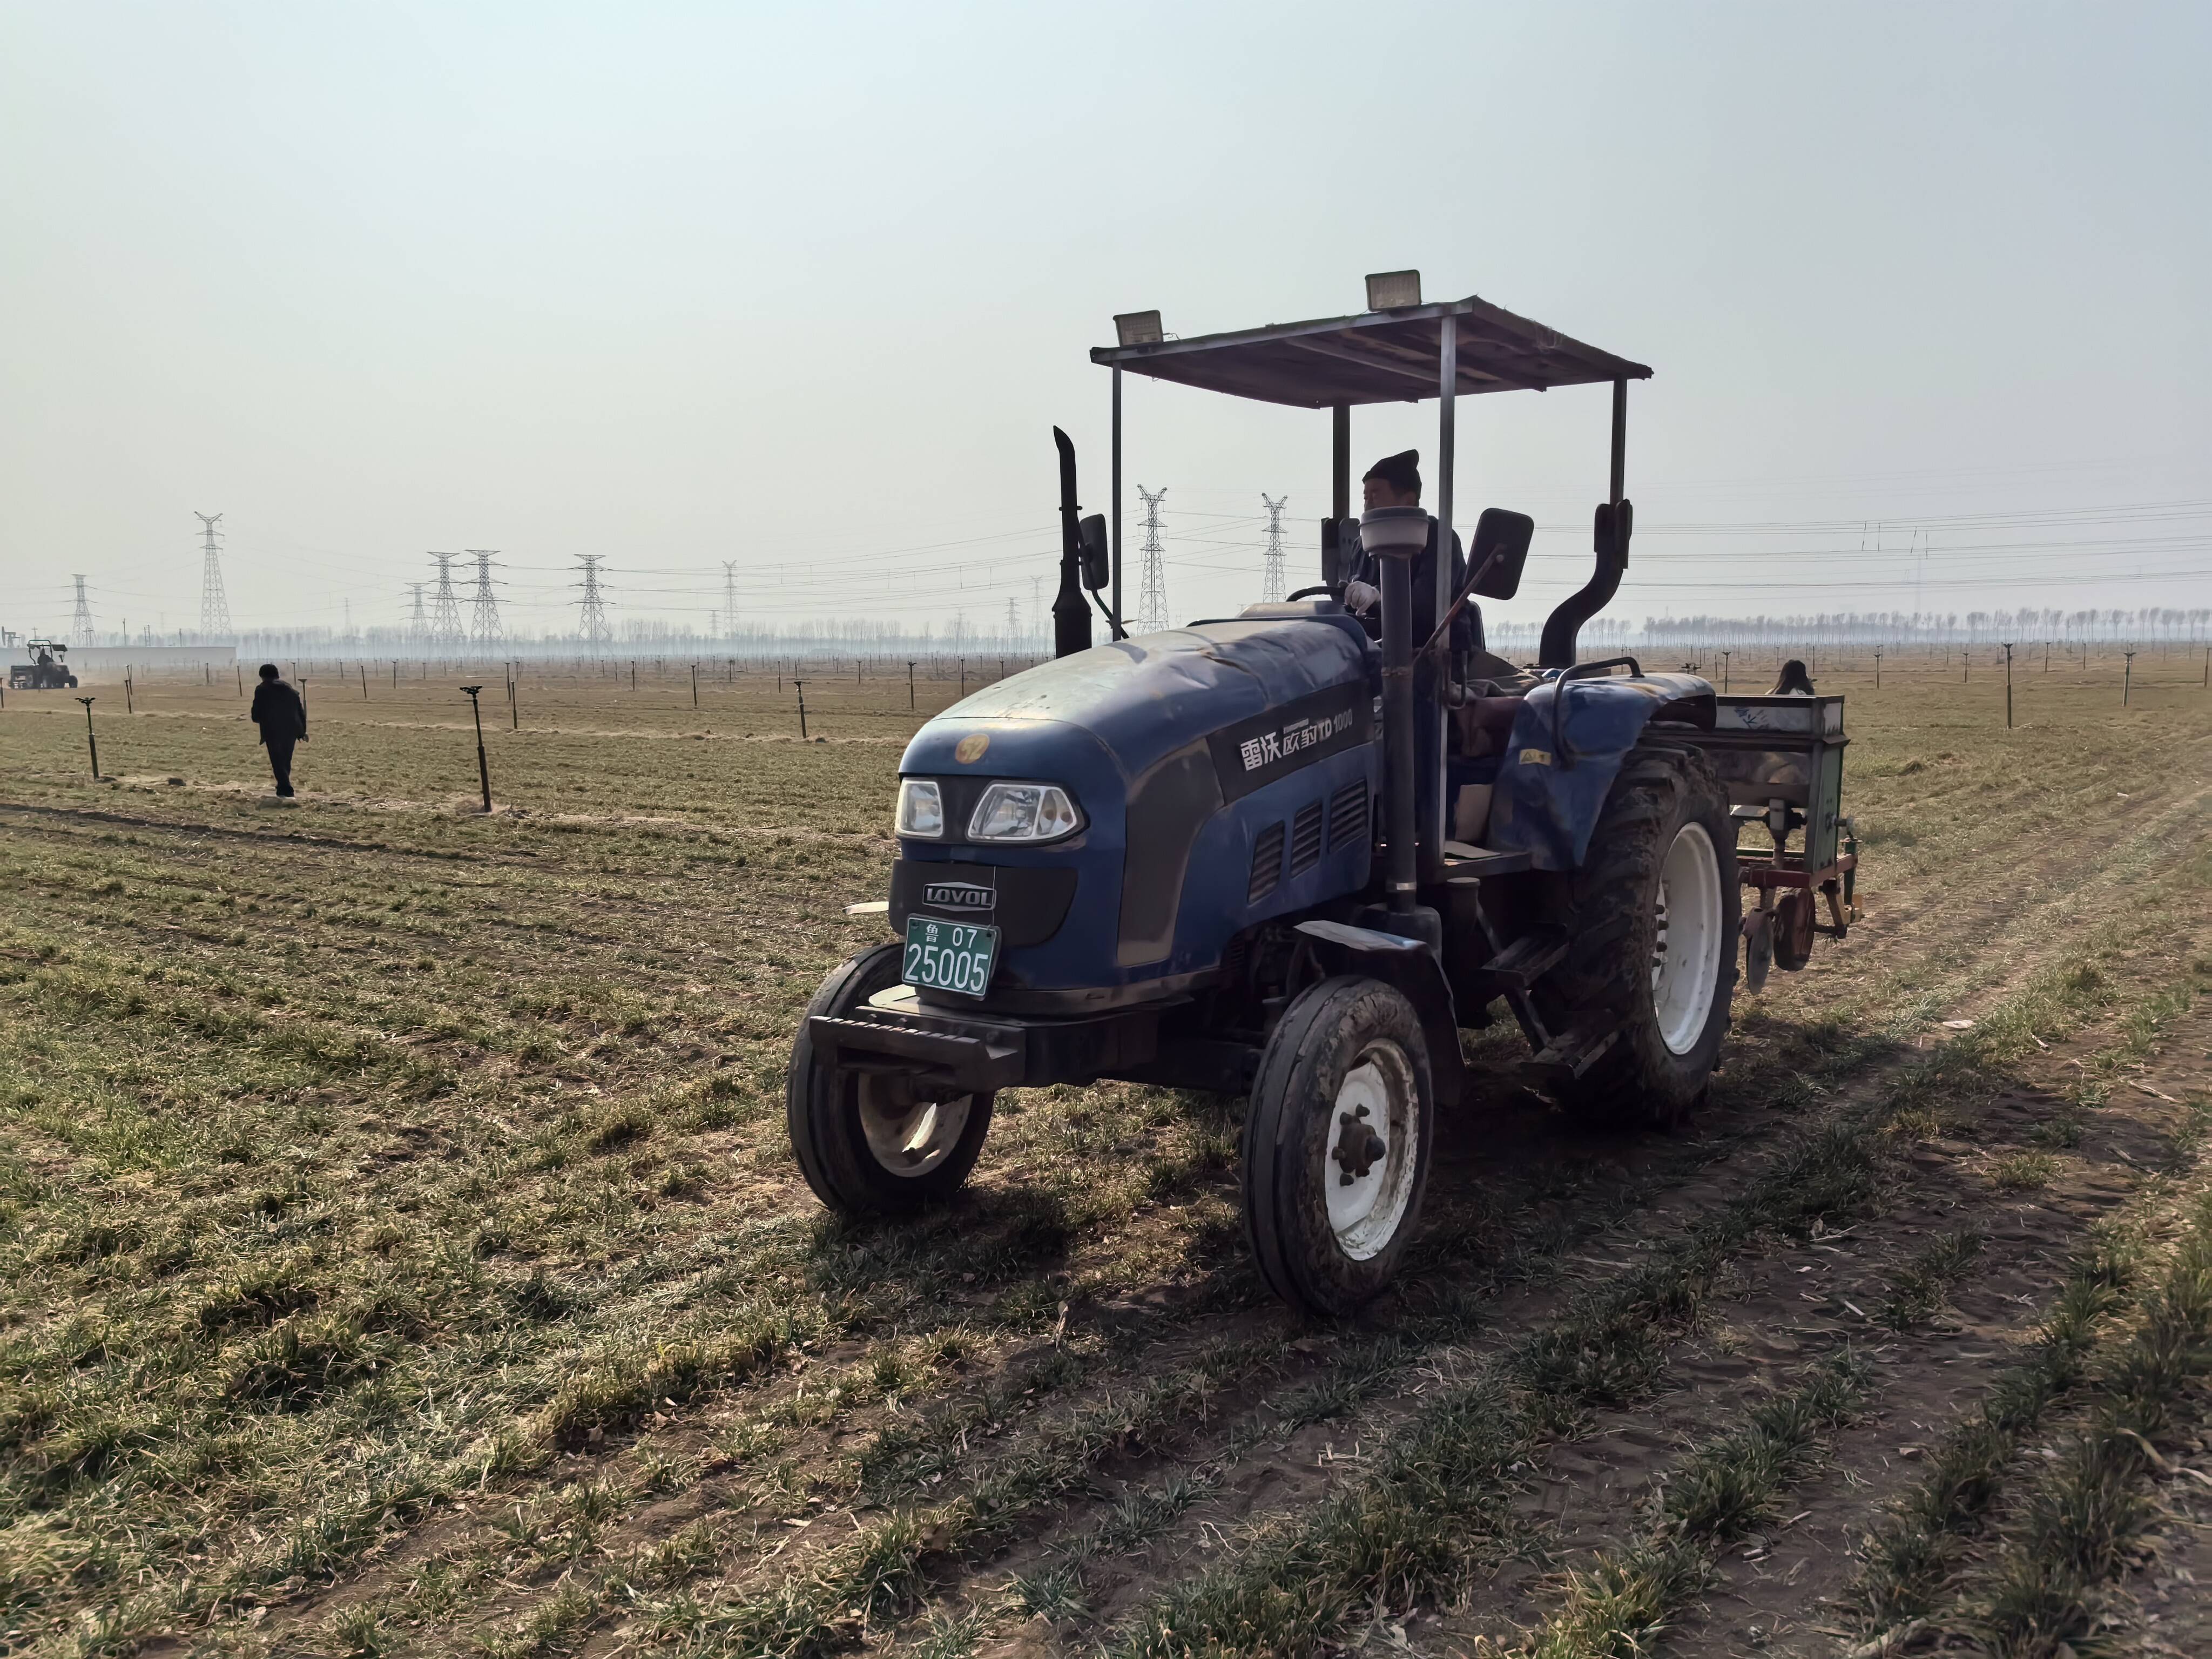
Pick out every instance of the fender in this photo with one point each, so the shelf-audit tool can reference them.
(1562, 758)
(1409, 967)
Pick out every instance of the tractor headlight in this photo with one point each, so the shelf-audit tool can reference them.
(1024, 812)
(920, 808)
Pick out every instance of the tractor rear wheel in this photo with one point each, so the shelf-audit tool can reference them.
(865, 1145)
(1653, 918)
(1336, 1144)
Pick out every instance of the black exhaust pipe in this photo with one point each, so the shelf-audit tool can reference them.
(1071, 612)
(1610, 540)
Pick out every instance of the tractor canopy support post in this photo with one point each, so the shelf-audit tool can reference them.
(1431, 735)
(1340, 462)
(1398, 737)
(1115, 464)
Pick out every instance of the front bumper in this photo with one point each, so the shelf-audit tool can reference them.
(979, 1052)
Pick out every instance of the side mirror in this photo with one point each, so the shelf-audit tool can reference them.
(1097, 556)
(1332, 553)
(1506, 535)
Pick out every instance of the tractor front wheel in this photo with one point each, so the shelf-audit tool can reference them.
(1336, 1144)
(866, 1143)
(1651, 949)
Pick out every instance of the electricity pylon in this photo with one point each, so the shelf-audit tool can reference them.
(446, 607)
(1152, 598)
(729, 598)
(483, 621)
(81, 626)
(215, 605)
(418, 625)
(1271, 580)
(597, 635)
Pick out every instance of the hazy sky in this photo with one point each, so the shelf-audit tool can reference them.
(806, 287)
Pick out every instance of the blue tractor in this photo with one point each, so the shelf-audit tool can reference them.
(1292, 853)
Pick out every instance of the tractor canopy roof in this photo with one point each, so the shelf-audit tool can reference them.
(1375, 357)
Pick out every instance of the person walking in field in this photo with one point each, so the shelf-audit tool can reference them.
(282, 718)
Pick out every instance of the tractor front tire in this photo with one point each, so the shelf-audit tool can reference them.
(864, 1151)
(1652, 918)
(1336, 1144)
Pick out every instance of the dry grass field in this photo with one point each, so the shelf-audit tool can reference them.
(400, 1252)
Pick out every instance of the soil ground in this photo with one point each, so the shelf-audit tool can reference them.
(404, 1255)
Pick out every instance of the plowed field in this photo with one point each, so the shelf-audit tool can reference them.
(400, 1251)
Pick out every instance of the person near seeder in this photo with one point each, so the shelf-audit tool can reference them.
(1481, 724)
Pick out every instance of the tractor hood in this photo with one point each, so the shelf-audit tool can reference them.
(1140, 700)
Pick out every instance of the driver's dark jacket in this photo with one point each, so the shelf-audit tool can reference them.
(1367, 568)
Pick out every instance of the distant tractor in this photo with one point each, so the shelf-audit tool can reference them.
(47, 671)
(1217, 857)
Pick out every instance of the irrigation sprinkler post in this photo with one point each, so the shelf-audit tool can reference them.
(91, 742)
(910, 681)
(483, 766)
(1877, 670)
(2008, 688)
(633, 673)
(1724, 673)
(239, 669)
(800, 686)
(963, 677)
(129, 706)
(695, 685)
(2127, 677)
(364, 680)
(515, 701)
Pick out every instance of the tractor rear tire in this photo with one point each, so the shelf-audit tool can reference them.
(1652, 918)
(1337, 1144)
(862, 1152)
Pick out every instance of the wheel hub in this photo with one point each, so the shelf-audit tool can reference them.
(910, 1137)
(1358, 1147)
(1372, 1143)
(1685, 943)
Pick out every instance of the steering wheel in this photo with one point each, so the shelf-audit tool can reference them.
(1309, 593)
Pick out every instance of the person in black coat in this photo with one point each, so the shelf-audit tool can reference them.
(282, 718)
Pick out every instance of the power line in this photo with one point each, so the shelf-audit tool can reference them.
(1271, 581)
(214, 604)
(483, 623)
(1152, 599)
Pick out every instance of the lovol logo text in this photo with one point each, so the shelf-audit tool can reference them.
(958, 896)
(1269, 747)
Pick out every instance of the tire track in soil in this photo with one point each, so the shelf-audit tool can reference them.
(1533, 1133)
(1786, 1589)
(1994, 916)
(1295, 1478)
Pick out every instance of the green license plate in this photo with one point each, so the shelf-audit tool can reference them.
(949, 955)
